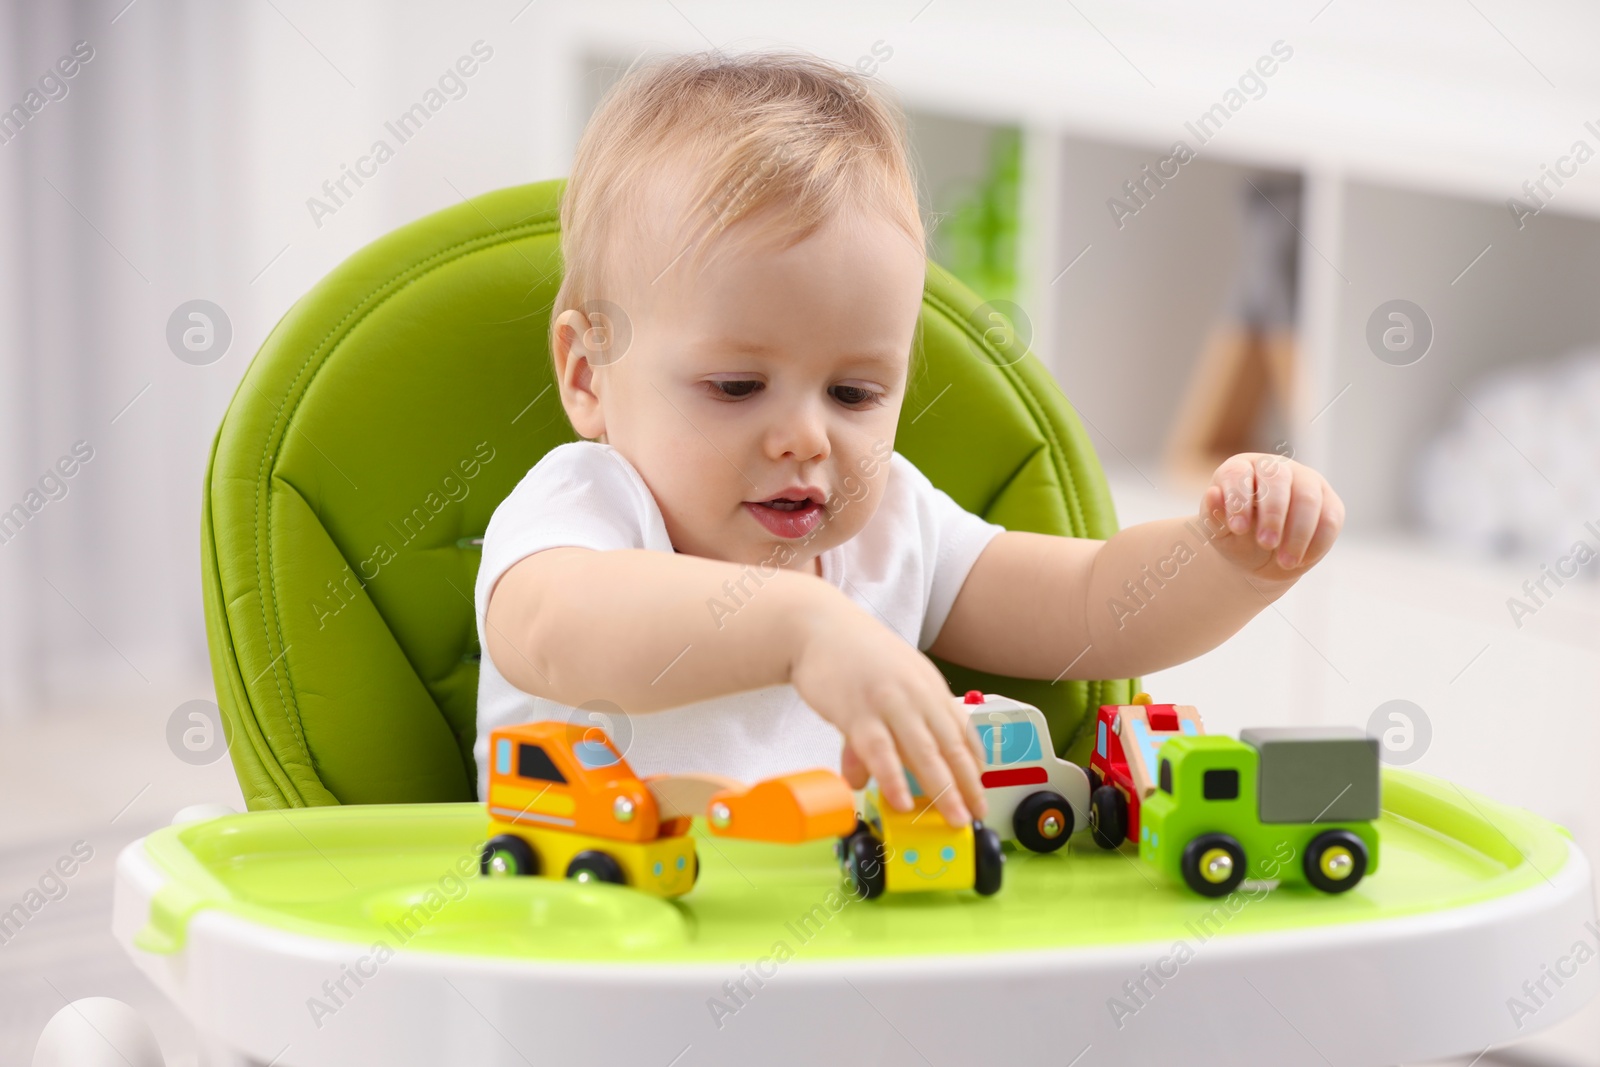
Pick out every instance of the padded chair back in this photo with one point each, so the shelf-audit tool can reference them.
(400, 400)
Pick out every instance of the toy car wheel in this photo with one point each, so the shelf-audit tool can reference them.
(1335, 861)
(1108, 816)
(1043, 821)
(506, 856)
(988, 859)
(694, 869)
(1094, 779)
(841, 847)
(592, 866)
(865, 865)
(1213, 864)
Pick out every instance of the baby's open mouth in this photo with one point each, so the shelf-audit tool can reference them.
(789, 516)
(787, 505)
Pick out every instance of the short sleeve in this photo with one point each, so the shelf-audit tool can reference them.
(952, 540)
(583, 494)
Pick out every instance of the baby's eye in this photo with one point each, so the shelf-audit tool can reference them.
(733, 390)
(852, 395)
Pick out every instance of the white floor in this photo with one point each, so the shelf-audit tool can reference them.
(1513, 714)
(103, 776)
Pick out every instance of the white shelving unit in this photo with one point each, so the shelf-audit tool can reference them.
(1410, 129)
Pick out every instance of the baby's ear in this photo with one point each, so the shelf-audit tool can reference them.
(575, 374)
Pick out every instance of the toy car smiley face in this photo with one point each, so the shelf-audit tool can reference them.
(947, 856)
(923, 851)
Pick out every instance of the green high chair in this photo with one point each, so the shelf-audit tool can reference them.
(370, 441)
(396, 404)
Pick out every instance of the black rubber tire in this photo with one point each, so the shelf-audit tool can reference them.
(599, 866)
(1094, 779)
(1035, 807)
(1195, 851)
(1335, 839)
(841, 847)
(988, 860)
(864, 864)
(1108, 817)
(694, 871)
(520, 859)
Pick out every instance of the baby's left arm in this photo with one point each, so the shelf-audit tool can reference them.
(1153, 595)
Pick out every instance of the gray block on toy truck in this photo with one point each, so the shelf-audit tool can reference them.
(1315, 774)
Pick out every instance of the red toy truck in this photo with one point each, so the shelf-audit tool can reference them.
(1123, 765)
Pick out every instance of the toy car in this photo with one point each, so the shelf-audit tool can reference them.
(1035, 798)
(917, 850)
(1272, 796)
(563, 802)
(1123, 764)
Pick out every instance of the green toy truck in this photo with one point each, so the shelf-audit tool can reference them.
(1294, 803)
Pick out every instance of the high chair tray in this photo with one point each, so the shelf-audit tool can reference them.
(346, 935)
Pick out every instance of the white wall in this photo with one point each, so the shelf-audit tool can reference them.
(187, 147)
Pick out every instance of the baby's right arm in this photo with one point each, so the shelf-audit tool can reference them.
(570, 624)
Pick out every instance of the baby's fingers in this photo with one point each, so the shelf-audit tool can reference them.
(1305, 509)
(958, 741)
(1328, 527)
(874, 745)
(1235, 481)
(1274, 488)
(852, 769)
(923, 755)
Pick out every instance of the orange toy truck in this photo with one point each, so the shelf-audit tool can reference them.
(563, 802)
(1122, 768)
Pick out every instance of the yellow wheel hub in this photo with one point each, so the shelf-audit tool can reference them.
(1337, 863)
(1216, 864)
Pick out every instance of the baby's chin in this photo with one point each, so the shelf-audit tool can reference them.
(764, 556)
(746, 541)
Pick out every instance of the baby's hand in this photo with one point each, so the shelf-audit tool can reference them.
(1271, 502)
(891, 702)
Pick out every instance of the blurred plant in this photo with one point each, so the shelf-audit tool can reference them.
(978, 239)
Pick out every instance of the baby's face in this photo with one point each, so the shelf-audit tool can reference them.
(769, 374)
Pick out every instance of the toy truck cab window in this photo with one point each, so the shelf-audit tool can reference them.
(1218, 784)
(502, 756)
(1009, 742)
(1166, 776)
(534, 762)
(1148, 739)
(594, 755)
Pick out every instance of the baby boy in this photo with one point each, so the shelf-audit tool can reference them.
(734, 555)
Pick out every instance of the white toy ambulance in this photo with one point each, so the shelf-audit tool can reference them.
(1035, 798)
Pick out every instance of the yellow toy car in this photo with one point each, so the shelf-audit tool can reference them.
(911, 851)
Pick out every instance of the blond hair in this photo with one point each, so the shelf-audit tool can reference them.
(781, 140)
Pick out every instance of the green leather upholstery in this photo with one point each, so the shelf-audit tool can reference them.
(391, 410)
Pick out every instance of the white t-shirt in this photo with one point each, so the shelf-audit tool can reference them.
(905, 567)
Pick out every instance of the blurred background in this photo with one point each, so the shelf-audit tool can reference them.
(1361, 235)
